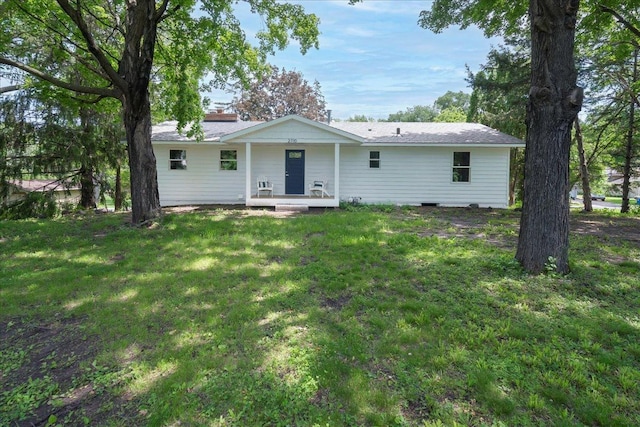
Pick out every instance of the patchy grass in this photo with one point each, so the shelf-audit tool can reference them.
(369, 317)
(618, 200)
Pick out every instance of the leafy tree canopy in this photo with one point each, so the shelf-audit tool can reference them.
(118, 49)
(47, 138)
(360, 118)
(280, 93)
(451, 115)
(450, 107)
(417, 113)
(500, 88)
(453, 100)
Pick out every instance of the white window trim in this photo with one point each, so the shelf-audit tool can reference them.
(220, 160)
(183, 161)
(454, 167)
(379, 159)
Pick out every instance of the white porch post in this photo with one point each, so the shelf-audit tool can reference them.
(336, 172)
(247, 180)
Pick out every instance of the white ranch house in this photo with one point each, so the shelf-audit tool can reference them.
(445, 164)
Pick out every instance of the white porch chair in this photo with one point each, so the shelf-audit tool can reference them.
(319, 188)
(264, 184)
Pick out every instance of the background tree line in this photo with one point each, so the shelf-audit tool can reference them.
(144, 51)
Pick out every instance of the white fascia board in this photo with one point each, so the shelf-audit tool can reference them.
(417, 144)
(188, 142)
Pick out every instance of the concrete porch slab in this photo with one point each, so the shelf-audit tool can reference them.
(282, 207)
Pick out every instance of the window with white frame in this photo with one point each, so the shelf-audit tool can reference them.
(461, 166)
(178, 159)
(374, 159)
(228, 160)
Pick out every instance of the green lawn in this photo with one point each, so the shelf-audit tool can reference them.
(618, 200)
(373, 317)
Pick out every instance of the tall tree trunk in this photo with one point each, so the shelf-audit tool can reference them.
(118, 199)
(145, 198)
(554, 102)
(87, 183)
(517, 175)
(584, 171)
(512, 179)
(87, 187)
(135, 66)
(630, 134)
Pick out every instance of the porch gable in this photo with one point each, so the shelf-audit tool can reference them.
(292, 130)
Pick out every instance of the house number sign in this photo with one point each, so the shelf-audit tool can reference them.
(292, 140)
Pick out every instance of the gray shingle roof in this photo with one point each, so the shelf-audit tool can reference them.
(371, 132)
(166, 131)
(427, 133)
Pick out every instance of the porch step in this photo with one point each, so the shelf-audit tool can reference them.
(290, 207)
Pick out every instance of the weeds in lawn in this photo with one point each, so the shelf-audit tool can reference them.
(20, 401)
(374, 316)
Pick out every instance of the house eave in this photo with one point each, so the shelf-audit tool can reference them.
(188, 142)
(436, 144)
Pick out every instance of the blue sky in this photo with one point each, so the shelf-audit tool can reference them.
(375, 60)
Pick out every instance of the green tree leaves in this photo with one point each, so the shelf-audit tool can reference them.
(121, 49)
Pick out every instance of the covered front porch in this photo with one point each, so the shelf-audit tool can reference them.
(291, 181)
(293, 154)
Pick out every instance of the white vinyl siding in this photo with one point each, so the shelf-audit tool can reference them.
(202, 182)
(411, 175)
(415, 175)
(319, 166)
(373, 166)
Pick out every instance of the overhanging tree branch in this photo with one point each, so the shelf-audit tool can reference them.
(51, 28)
(624, 83)
(621, 19)
(97, 53)
(11, 88)
(60, 83)
(162, 9)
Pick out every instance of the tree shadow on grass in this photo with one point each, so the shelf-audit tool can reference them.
(345, 320)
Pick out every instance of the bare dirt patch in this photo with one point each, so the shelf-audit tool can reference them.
(473, 223)
(336, 303)
(242, 211)
(50, 376)
(477, 224)
(618, 228)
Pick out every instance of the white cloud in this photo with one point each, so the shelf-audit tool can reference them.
(391, 7)
(375, 60)
(358, 32)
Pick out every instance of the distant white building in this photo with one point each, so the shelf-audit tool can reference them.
(62, 192)
(615, 180)
(445, 164)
